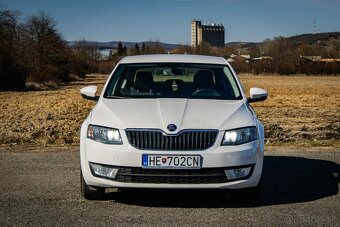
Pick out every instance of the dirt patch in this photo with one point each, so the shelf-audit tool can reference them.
(300, 110)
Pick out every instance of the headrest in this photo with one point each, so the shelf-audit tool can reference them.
(204, 79)
(144, 81)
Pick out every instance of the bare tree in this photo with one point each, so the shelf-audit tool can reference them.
(84, 58)
(46, 53)
(152, 48)
(12, 74)
(134, 50)
(285, 56)
(183, 49)
(121, 49)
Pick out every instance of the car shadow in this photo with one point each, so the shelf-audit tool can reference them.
(286, 180)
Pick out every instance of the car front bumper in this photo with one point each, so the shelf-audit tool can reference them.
(217, 157)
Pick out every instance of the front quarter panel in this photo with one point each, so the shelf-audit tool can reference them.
(260, 130)
(83, 159)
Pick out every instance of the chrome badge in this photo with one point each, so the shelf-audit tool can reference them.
(172, 127)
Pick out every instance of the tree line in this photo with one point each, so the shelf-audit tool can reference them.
(279, 55)
(149, 47)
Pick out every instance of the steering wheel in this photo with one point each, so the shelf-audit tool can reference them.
(206, 92)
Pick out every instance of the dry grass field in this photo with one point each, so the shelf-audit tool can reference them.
(300, 111)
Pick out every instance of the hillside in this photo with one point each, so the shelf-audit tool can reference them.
(312, 38)
(297, 39)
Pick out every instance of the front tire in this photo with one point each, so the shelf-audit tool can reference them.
(89, 192)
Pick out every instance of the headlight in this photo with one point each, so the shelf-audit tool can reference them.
(239, 136)
(104, 134)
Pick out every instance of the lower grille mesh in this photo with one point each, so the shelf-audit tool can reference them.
(170, 176)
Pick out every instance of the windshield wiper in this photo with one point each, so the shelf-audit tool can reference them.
(117, 97)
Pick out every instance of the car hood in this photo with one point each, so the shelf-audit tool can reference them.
(159, 113)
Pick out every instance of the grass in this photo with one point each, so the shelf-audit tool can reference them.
(299, 109)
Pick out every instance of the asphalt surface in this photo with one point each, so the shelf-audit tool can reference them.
(40, 187)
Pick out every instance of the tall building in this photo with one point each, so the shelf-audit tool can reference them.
(211, 33)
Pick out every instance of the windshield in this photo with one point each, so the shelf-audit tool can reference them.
(173, 80)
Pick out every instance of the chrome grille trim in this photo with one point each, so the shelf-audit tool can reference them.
(156, 139)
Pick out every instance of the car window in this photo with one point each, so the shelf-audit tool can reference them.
(173, 80)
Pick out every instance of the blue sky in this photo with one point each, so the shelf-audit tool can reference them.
(169, 20)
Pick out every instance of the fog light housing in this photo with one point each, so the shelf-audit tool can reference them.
(238, 173)
(103, 171)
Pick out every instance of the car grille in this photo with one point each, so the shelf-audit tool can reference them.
(149, 139)
(171, 176)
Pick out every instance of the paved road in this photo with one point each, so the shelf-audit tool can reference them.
(40, 187)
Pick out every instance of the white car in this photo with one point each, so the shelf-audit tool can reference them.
(174, 122)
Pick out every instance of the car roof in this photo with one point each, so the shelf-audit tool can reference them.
(173, 58)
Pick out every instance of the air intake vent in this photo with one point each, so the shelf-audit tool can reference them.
(153, 139)
(171, 176)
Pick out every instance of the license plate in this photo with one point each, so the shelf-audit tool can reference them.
(171, 161)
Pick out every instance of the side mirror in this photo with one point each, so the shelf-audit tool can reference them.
(89, 93)
(257, 94)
